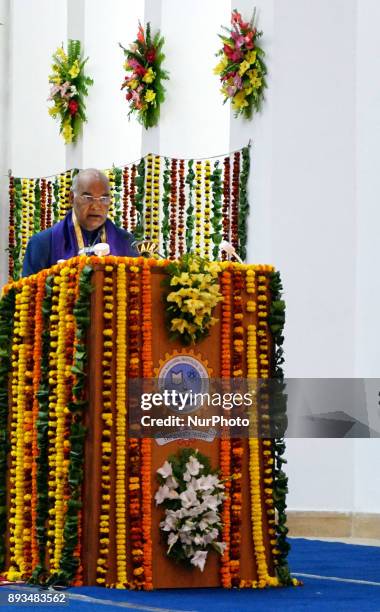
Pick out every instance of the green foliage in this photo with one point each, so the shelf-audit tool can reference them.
(42, 476)
(166, 206)
(243, 203)
(118, 172)
(139, 199)
(190, 208)
(217, 191)
(7, 308)
(69, 562)
(276, 322)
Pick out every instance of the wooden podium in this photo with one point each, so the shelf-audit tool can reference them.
(80, 504)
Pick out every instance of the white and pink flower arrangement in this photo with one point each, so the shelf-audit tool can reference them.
(191, 493)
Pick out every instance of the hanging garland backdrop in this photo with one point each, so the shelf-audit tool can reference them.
(183, 205)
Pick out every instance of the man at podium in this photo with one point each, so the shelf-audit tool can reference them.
(84, 226)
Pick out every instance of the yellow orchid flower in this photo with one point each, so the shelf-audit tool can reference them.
(221, 66)
(184, 279)
(243, 67)
(133, 84)
(149, 76)
(239, 101)
(174, 297)
(251, 57)
(67, 132)
(75, 69)
(180, 325)
(193, 306)
(61, 54)
(53, 111)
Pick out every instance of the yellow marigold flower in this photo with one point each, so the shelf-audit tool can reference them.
(75, 69)
(149, 76)
(149, 95)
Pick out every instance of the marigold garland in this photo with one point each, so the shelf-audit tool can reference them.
(190, 208)
(11, 235)
(235, 202)
(156, 199)
(181, 208)
(108, 422)
(121, 426)
(226, 202)
(149, 196)
(225, 443)
(207, 210)
(173, 209)
(166, 207)
(198, 207)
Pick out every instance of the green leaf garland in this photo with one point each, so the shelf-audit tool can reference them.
(243, 203)
(217, 191)
(7, 308)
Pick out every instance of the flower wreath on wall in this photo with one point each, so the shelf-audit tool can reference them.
(241, 68)
(143, 82)
(68, 90)
(191, 493)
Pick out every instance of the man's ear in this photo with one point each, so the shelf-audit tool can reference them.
(71, 197)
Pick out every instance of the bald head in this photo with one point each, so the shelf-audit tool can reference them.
(90, 197)
(88, 175)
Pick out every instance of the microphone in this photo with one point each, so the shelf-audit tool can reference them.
(229, 249)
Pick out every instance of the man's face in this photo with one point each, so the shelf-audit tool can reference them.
(90, 210)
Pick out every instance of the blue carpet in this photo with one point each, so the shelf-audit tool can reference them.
(323, 559)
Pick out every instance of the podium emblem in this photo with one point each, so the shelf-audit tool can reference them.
(186, 374)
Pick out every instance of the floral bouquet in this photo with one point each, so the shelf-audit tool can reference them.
(143, 82)
(242, 70)
(68, 90)
(191, 494)
(193, 293)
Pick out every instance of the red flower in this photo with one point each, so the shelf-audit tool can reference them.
(140, 34)
(151, 55)
(73, 107)
(129, 95)
(139, 70)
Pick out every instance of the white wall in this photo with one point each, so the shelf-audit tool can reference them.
(314, 183)
(38, 28)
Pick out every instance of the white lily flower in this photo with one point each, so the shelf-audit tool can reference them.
(171, 482)
(188, 498)
(165, 493)
(193, 466)
(219, 547)
(166, 470)
(199, 559)
(172, 539)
